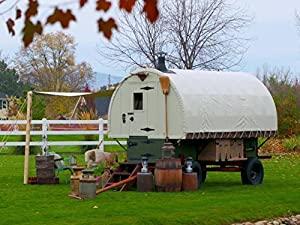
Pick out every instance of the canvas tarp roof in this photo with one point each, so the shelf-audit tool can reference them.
(63, 94)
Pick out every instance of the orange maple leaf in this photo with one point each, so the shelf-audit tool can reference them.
(30, 30)
(10, 26)
(151, 10)
(127, 5)
(32, 9)
(103, 5)
(106, 27)
(82, 3)
(64, 18)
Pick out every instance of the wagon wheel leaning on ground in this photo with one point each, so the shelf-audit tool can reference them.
(252, 172)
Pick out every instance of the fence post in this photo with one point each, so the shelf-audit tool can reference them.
(27, 141)
(45, 136)
(101, 139)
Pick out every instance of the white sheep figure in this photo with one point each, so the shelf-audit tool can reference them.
(96, 156)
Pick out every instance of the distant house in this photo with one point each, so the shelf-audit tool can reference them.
(3, 106)
(101, 100)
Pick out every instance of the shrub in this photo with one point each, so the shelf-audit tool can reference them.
(285, 90)
(291, 144)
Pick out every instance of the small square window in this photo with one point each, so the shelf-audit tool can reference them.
(4, 105)
(138, 101)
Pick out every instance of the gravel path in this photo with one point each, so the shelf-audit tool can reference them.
(293, 220)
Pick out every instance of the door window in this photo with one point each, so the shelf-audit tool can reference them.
(137, 101)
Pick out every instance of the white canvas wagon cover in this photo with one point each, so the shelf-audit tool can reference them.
(201, 104)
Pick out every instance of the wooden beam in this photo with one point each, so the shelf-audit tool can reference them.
(224, 169)
(118, 184)
(27, 140)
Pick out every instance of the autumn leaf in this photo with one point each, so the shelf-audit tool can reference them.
(127, 5)
(10, 26)
(106, 27)
(18, 13)
(30, 30)
(32, 9)
(103, 5)
(60, 16)
(151, 10)
(82, 3)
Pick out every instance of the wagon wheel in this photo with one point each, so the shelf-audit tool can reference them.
(252, 172)
(201, 172)
(204, 172)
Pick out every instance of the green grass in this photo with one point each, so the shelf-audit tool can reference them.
(222, 200)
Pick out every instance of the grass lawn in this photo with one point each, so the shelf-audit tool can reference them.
(222, 200)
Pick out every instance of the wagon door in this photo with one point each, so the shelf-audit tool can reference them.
(141, 109)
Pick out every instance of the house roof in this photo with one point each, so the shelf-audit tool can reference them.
(2, 95)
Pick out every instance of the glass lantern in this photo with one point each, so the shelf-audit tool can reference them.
(189, 164)
(144, 164)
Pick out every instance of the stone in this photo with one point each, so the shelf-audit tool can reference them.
(292, 220)
(264, 222)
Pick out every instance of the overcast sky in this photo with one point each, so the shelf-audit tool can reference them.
(275, 40)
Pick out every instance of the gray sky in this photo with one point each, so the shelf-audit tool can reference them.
(275, 40)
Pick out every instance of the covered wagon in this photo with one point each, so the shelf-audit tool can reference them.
(214, 117)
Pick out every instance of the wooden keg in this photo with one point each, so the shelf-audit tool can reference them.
(168, 175)
(189, 182)
(45, 170)
(145, 182)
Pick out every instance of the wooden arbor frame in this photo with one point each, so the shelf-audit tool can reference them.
(29, 118)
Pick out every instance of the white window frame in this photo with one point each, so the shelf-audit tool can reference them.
(3, 102)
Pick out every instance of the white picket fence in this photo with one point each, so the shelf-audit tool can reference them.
(47, 127)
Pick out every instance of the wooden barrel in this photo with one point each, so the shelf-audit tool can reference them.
(45, 167)
(145, 182)
(168, 175)
(189, 182)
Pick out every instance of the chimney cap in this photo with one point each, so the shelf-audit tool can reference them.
(161, 62)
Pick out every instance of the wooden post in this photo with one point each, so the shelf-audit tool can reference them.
(76, 106)
(27, 144)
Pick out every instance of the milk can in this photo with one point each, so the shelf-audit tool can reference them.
(87, 185)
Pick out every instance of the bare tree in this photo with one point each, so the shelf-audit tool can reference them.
(195, 34)
(137, 42)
